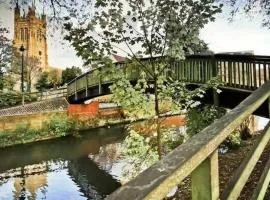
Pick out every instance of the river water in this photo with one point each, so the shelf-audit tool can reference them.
(82, 167)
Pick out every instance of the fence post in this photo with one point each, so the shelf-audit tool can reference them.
(204, 179)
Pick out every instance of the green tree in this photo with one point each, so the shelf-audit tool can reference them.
(54, 78)
(5, 54)
(8, 82)
(139, 29)
(43, 82)
(70, 73)
(48, 80)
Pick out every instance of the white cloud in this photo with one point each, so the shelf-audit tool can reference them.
(240, 35)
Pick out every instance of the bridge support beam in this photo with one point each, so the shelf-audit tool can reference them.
(204, 179)
(215, 98)
(86, 86)
(99, 86)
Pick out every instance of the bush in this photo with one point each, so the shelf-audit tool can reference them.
(58, 125)
(200, 118)
(233, 141)
(13, 98)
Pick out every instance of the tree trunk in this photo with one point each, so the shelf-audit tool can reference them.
(29, 82)
(157, 121)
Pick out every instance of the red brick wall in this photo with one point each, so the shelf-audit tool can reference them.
(111, 112)
(90, 110)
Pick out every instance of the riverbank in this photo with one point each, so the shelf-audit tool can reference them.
(60, 125)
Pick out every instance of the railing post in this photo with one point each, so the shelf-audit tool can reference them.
(204, 179)
(75, 83)
(215, 98)
(214, 67)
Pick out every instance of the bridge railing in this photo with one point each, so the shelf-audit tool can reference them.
(238, 71)
(194, 69)
(198, 158)
(244, 71)
(49, 94)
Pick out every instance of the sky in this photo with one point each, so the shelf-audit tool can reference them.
(222, 36)
(243, 34)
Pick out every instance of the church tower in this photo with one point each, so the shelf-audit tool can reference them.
(30, 31)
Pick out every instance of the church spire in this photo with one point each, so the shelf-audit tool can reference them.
(33, 4)
(17, 13)
(17, 4)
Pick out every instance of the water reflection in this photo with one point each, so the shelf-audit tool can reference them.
(67, 168)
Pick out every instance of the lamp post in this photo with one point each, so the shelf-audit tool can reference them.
(22, 49)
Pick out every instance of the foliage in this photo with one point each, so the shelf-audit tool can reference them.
(140, 29)
(172, 138)
(48, 80)
(199, 118)
(132, 98)
(58, 125)
(13, 98)
(140, 151)
(159, 30)
(55, 126)
(5, 54)
(8, 82)
(197, 48)
(154, 26)
(185, 97)
(54, 78)
(233, 141)
(43, 82)
(250, 8)
(70, 73)
(139, 154)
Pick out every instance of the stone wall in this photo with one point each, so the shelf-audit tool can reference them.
(33, 120)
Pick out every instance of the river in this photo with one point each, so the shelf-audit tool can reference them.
(81, 167)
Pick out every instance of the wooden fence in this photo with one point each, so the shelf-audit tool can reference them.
(198, 157)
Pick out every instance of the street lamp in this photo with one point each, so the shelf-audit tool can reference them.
(22, 49)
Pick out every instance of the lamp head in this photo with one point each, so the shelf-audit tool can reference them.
(22, 49)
